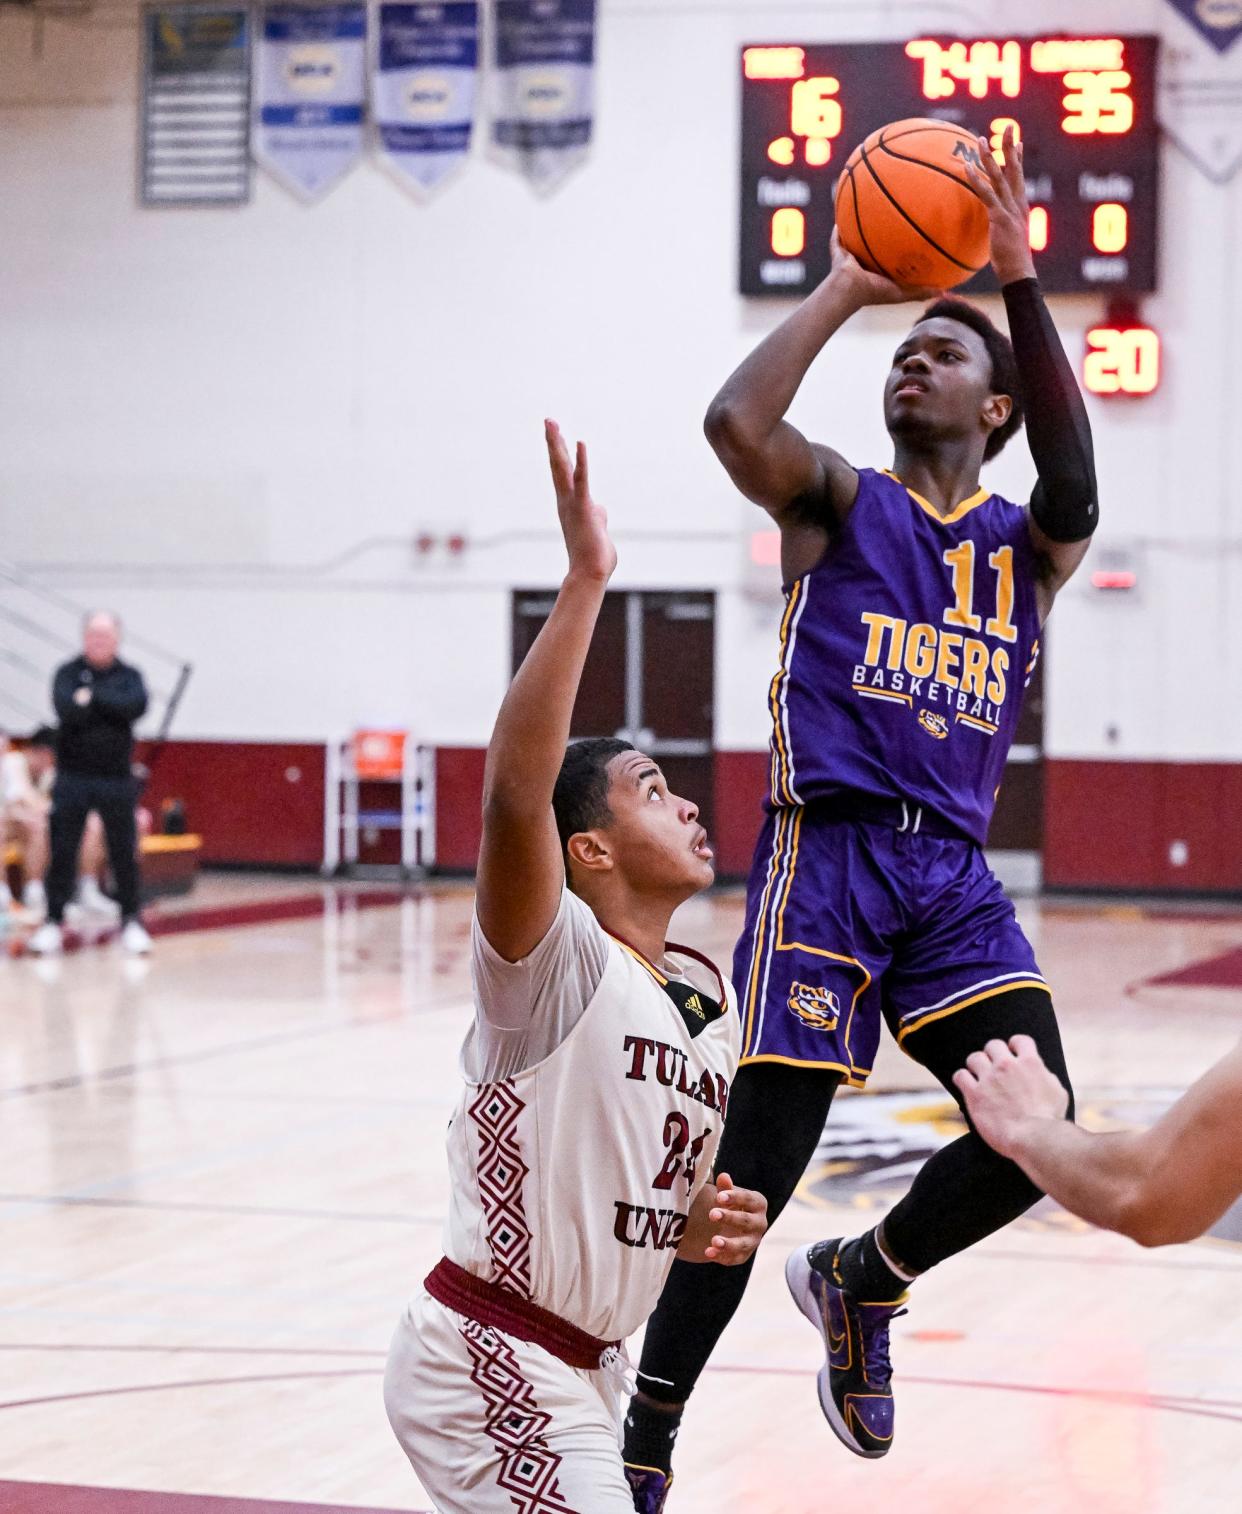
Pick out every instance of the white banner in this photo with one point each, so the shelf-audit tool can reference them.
(310, 88)
(543, 86)
(1201, 83)
(424, 86)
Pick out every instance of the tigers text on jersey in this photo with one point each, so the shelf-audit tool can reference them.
(572, 1181)
(904, 655)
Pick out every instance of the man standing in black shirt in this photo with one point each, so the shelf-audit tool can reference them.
(98, 699)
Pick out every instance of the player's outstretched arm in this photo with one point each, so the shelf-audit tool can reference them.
(1064, 505)
(726, 1224)
(521, 871)
(808, 489)
(1158, 1186)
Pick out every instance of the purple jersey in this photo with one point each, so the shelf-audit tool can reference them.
(904, 656)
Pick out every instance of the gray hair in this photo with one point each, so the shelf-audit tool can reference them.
(95, 614)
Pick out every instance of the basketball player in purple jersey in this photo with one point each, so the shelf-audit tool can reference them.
(914, 599)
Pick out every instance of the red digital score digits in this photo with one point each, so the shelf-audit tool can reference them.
(977, 65)
(815, 115)
(1097, 99)
(1122, 360)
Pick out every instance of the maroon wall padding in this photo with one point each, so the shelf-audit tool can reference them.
(739, 785)
(1107, 824)
(459, 806)
(251, 801)
(741, 780)
(1111, 825)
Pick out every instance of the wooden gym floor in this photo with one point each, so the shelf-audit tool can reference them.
(221, 1171)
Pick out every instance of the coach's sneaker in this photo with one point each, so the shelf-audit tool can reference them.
(855, 1383)
(649, 1486)
(47, 941)
(134, 938)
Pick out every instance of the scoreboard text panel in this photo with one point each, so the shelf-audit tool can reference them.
(1084, 109)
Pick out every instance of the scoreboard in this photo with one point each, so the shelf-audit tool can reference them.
(1083, 108)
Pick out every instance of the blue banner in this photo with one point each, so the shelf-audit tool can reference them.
(1200, 84)
(1218, 22)
(310, 90)
(544, 86)
(424, 87)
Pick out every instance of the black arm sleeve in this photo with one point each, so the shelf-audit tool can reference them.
(1064, 503)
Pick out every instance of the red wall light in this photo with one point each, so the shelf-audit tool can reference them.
(765, 548)
(1115, 579)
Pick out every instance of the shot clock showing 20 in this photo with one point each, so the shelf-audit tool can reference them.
(1083, 107)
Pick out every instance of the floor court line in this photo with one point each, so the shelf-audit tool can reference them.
(733, 1368)
(272, 911)
(1201, 1408)
(176, 1206)
(71, 1498)
(212, 1053)
(154, 1349)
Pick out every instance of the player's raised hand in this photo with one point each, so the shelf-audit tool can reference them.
(1005, 1087)
(584, 524)
(1003, 191)
(740, 1218)
(870, 288)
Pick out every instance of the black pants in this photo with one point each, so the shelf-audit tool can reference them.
(776, 1118)
(73, 799)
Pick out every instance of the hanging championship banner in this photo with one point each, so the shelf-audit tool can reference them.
(310, 87)
(1201, 84)
(423, 88)
(544, 86)
(196, 105)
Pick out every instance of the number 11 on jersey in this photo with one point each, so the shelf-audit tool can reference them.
(961, 613)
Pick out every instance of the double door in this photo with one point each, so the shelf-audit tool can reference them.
(650, 678)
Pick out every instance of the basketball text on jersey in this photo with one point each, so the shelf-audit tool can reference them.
(668, 1065)
(921, 665)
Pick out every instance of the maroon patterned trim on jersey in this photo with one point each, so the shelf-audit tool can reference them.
(516, 1425)
(502, 1172)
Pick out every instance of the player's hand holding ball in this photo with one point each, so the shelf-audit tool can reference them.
(870, 288)
(584, 524)
(740, 1216)
(1003, 191)
(1006, 1086)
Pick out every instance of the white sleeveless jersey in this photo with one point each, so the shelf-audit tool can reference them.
(572, 1181)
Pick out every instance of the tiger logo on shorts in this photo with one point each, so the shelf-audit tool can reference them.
(817, 1007)
(934, 725)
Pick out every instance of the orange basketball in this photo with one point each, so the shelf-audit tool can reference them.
(906, 209)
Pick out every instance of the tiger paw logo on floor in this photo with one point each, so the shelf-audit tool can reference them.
(934, 725)
(816, 1007)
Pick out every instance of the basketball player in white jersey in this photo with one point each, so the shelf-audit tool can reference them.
(596, 1074)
